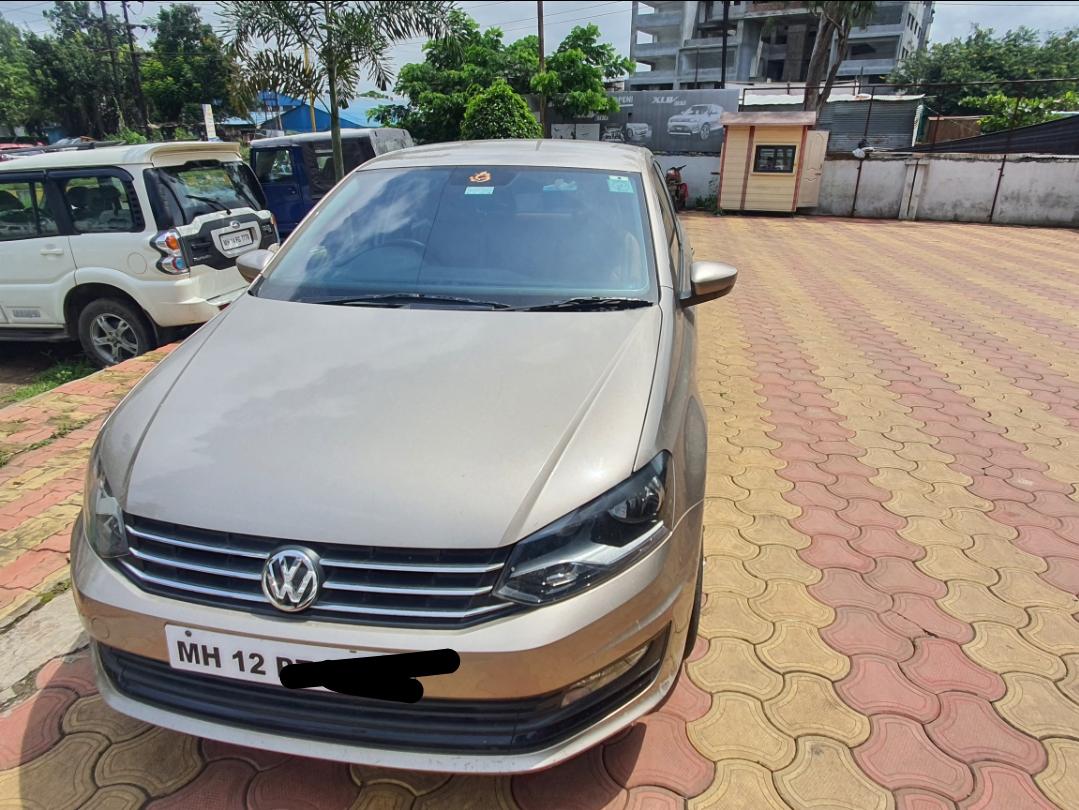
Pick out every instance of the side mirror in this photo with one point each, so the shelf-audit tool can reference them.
(252, 263)
(709, 280)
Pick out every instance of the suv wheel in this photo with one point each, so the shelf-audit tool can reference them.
(706, 130)
(112, 331)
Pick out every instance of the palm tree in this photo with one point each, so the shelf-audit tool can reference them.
(836, 21)
(349, 40)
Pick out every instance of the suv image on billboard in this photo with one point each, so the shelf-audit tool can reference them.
(700, 120)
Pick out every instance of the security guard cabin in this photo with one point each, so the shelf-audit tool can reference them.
(771, 161)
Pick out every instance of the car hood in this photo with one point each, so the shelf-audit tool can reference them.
(393, 427)
(684, 119)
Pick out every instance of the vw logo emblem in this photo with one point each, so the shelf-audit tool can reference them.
(291, 578)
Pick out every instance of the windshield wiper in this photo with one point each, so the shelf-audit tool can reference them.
(404, 299)
(590, 304)
(211, 201)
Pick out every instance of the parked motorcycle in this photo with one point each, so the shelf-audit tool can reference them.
(678, 190)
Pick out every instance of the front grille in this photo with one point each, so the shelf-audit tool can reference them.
(433, 725)
(361, 584)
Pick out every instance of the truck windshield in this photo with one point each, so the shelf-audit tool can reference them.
(205, 187)
(504, 235)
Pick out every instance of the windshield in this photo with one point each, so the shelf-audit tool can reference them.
(697, 109)
(206, 187)
(508, 236)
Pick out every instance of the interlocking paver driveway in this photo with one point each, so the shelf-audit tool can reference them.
(892, 556)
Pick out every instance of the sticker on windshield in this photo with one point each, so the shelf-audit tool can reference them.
(619, 184)
(479, 190)
(480, 177)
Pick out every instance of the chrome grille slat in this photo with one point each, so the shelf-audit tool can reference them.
(419, 587)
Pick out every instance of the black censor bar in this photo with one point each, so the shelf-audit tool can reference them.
(383, 677)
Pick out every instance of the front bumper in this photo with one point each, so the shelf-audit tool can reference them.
(504, 697)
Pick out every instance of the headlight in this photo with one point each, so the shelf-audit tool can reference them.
(592, 543)
(102, 519)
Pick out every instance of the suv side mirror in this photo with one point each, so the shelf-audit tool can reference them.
(709, 280)
(252, 263)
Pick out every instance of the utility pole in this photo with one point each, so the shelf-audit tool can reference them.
(306, 63)
(112, 59)
(542, 67)
(723, 65)
(140, 100)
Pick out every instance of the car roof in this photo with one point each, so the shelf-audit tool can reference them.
(551, 152)
(305, 137)
(124, 154)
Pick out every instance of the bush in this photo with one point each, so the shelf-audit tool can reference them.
(499, 112)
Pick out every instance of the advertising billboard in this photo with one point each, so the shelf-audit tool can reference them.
(662, 120)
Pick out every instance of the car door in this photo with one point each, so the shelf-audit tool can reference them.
(108, 228)
(38, 265)
(281, 182)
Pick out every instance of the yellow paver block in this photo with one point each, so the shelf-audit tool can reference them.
(1023, 588)
(159, 761)
(732, 665)
(927, 532)
(758, 479)
(1000, 648)
(116, 797)
(947, 563)
(723, 486)
(782, 562)
(383, 797)
(972, 602)
(797, 646)
(956, 497)
(972, 522)
(59, 779)
(809, 704)
(1070, 684)
(766, 529)
(736, 727)
(938, 472)
(786, 600)
(729, 574)
(416, 782)
(1055, 631)
(993, 552)
(725, 614)
(724, 512)
(824, 775)
(1060, 779)
(91, 714)
(740, 785)
(728, 542)
(1035, 705)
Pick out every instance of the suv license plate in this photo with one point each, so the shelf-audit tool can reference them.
(237, 240)
(241, 657)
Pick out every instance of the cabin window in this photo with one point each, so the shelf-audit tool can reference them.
(774, 159)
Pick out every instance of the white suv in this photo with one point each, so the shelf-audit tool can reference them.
(118, 246)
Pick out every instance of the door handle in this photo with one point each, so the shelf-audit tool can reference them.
(52, 251)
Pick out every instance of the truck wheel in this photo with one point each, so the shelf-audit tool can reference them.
(112, 331)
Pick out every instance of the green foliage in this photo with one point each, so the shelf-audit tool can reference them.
(833, 37)
(349, 41)
(372, 94)
(187, 66)
(127, 136)
(985, 57)
(499, 112)
(467, 61)
(184, 134)
(17, 93)
(1000, 109)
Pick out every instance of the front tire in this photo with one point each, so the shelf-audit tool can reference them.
(112, 331)
(706, 130)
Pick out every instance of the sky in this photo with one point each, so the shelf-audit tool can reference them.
(517, 18)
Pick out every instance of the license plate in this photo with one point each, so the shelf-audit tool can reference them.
(237, 240)
(241, 657)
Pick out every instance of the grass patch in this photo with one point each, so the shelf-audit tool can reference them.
(63, 372)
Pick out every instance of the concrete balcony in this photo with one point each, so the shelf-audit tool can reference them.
(870, 67)
(658, 20)
(645, 51)
(651, 77)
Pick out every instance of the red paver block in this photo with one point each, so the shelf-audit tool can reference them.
(898, 755)
(654, 798)
(220, 785)
(901, 625)
(1014, 513)
(1046, 543)
(303, 784)
(687, 701)
(807, 493)
(33, 727)
(578, 783)
(257, 758)
(796, 471)
(841, 466)
(921, 800)
(992, 489)
(816, 520)
(844, 587)
(31, 568)
(877, 541)
(1000, 787)
(939, 665)
(876, 685)
(898, 575)
(860, 631)
(926, 614)
(862, 512)
(75, 673)
(10, 595)
(826, 551)
(969, 729)
(656, 751)
(1062, 573)
(855, 486)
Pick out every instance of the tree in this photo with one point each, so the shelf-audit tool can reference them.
(17, 94)
(983, 56)
(187, 66)
(575, 74)
(1001, 109)
(467, 61)
(835, 22)
(499, 112)
(349, 41)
